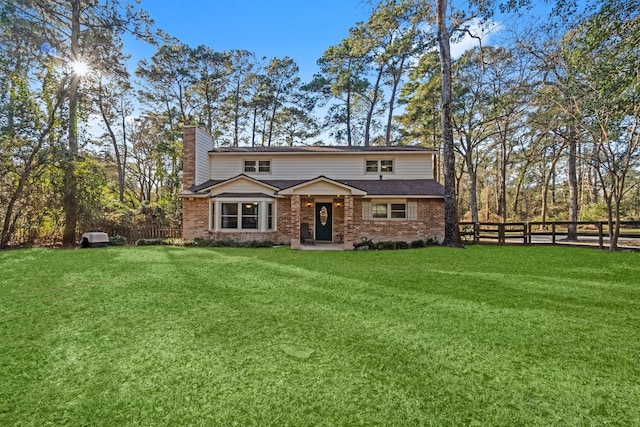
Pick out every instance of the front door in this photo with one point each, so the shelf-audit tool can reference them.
(324, 219)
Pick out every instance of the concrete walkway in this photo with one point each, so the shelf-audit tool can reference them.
(323, 246)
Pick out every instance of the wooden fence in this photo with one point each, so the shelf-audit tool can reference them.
(591, 233)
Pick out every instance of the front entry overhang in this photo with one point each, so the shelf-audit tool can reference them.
(322, 186)
(325, 191)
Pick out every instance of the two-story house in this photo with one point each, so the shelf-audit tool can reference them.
(336, 194)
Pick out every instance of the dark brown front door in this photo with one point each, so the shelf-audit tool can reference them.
(324, 219)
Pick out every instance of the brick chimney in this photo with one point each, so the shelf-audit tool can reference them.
(188, 157)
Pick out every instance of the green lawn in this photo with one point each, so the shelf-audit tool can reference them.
(514, 336)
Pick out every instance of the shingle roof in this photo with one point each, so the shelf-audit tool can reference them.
(400, 187)
(206, 184)
(243, 195)
(322, 149)
(373, 187)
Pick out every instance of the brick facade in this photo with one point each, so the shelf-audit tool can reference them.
(195, 217)
(293, 209)
(430, 224)
(283, 224)
(349, 226)
(195, 223)
(189, 157)
(348, 223)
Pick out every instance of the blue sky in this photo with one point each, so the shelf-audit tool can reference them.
(300, 29)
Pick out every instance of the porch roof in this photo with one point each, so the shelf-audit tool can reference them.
(397, 187)
(372, 187)
(322, 186)
(242, 195)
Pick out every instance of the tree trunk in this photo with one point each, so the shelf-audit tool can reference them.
(544, 195)
(236, 117)
(8, 226)
(253, 127)
(545, 185)
(613, 221)
(516, 196)
(553, 178)
(615, 234)
(120, 164)
(272, 119)
(473, 188)
(502, 184)
(572, 231)
(374, 101)
(593, 175)
(451, 228)
(348, 112)
(69, 190)
(392, 99)
(487, 214)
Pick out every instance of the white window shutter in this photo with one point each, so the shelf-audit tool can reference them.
(412, 210)
(366, 210)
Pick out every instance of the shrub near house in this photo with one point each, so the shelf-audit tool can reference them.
(341, 194)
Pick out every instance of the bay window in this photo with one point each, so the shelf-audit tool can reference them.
(229, 217)
(250, 215)
(245, 215)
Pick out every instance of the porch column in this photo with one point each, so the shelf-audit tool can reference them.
(348, 222)
(295, 221)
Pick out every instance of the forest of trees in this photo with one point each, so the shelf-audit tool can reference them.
(542, 124)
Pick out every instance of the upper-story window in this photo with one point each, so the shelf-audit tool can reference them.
(257, 166)
(379, 166)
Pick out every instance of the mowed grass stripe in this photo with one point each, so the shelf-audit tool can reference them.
(164, 335)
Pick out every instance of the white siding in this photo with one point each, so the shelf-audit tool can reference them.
(225, 167)
(416, 166)
(335, 166)
(242, 185)
(322, 189)
(204, 143)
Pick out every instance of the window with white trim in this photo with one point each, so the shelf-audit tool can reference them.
(257, 166)
(249, 216)
(379, 210)
(386, 165)
(379, 166)
(269, 216)
(388, 210)
(372, 166)
(229, 215)
(242, 215)
(385, 210)
(398, 210)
